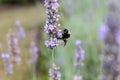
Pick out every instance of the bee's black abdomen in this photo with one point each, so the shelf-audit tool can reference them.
(65, 34)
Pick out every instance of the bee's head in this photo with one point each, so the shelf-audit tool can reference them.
(65, 31)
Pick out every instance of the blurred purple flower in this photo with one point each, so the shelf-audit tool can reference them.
(50, 44)
(7, 64)
(55, 5)
(20, 31)
(13, 47)
(16, 59)
(54, 73)
(33, 52)
(13, 44)
(117, 36)
(103, 31)
(79, 55)
(17, 23)
(51, 27)
(59, 33)
(5, 56)
(78, 43)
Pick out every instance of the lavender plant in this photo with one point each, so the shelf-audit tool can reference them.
(52, 23)
(34, 56)
(33, 53)
(51, 28)
(78, 62)
(109, 33)
(7, 64)
(13, 47)
(54, 73)
(19, 29)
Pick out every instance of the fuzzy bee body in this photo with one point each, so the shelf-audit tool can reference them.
(65, 36)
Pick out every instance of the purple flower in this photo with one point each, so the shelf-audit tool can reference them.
(117, 36)
(51, 27)
(46, 3)
(17, 59)
(13, 44)
(47, 43)
(79, 54)
(103, 31)
(20, 31)
(33, 52)
(50, 44)
(15, 40)
(52, 22)
(7, 64)
(55, 5)
(46, 28)
(59, 33)
(54, 73)
(78, 43)
(8, 68)
(17, 23)
(5, 56)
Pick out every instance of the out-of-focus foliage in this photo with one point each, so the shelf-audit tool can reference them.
(17, 1)
(28, 16)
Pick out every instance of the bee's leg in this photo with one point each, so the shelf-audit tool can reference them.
(65, 42)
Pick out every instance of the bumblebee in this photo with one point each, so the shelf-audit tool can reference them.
(65, 36)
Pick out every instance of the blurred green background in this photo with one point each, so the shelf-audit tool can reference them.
(81, 17)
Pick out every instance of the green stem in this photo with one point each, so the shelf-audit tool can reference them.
(34, 72)
(8, 78)
(53, 57)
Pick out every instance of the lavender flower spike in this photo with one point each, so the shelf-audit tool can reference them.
(13, 44)
(52, 22)
(7, 64)
(111, 61)
(79, 54)
(20, 31)
(78, 61)
(103, 31)
(54, 73)
(51, 28)
(33, 52)
(13, 47)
